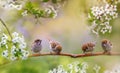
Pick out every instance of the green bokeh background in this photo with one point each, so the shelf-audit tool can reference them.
(70, 28)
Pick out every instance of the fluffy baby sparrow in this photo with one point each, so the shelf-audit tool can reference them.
(55, 46)
(36, 46)
(106, 45)
(88, 47)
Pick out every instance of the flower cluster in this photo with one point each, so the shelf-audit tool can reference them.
(59, 69)
(11, 4)
(47, 12)
(15, 48)
(75, 67)
(116, 69)
(50, 12)
(101, 17)
(96, 68)
(25, 13)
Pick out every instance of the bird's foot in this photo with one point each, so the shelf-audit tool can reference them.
(107, 52)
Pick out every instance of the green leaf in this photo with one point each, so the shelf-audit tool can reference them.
(35, 11)
(29, 5)
(51, 14)
(41, 13)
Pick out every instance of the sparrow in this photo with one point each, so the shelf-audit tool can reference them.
(88, 47)
(106, 45)
(36, 46)
(55, 46)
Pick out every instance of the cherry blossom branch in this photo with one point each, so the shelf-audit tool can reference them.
(76, 55)
(6, 28)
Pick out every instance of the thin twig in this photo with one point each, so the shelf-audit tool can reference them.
(6, 28)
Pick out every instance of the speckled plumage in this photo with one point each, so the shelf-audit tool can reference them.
(88, 47)
(106, 45)
(36, 46)
(55, 46)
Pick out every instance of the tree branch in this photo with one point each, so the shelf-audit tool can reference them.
(77, 55)
(54, 54)
(71, 55)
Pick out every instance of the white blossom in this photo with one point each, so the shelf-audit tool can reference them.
(17, 47)
(25, 13)
(104, 30)
(25, 54)
(96, 68)
(103, 14)
(18, 7)
(77, 69)
(13, 50)
(4, 39)
(59, 69)
(107, 10)
(50, 9)
(83, 71)
(3, 42)
(13, 58)
(19, 40)
(5, 53)
(84, 65)
(70, 66)
(22, 46)
(10, 4)
(15, 40)
(50, 71)
(47, 10)
(15, 34)
(55, 14)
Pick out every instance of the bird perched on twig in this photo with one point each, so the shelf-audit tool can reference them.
(106, 45)
(55, 46)
(88, 47)
(36, 46)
